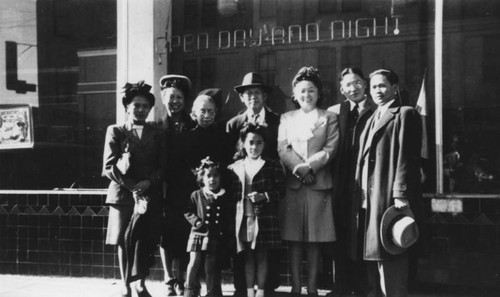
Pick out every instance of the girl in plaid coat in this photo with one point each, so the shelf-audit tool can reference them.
(210, 214)
(257, 186)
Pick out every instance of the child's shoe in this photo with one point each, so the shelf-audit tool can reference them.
(169, 287)
(178, 288)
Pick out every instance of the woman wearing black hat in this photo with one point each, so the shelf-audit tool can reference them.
(135, 164)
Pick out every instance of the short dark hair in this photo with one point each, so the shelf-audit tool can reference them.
(311, 74)
(248, 128)
(205, 164)
(351, 70)
(390, 75)
(138, 89)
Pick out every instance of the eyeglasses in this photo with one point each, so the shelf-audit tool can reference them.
(356, 83)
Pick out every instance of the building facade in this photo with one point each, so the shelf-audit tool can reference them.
(72, 58)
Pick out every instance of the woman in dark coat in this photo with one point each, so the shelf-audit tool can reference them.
(207, 138)
(174, 92)
(135, 164)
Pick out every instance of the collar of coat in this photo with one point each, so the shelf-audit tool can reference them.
(238, 168)
(386, 118)
(147, 133)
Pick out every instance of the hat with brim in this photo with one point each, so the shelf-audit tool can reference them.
(398, 230)
(181, 78)
(252, 80)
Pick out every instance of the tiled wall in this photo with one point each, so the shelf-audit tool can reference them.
(61, 234)
(53, 234)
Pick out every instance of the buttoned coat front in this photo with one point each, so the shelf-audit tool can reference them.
(306, 212)
(393, 160)
(216, 215)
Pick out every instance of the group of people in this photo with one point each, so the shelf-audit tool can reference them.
(261, 181)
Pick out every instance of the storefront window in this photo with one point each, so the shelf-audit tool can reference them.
(59, 58)
(470, 100)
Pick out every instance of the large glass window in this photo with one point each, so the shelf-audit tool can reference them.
(59, 57)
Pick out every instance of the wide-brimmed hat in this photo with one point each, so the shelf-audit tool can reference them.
(252, 80)
(398, 230)
(184, 81)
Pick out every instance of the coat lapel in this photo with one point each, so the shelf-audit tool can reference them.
(369, 106)
(364, 142)
(147, 134)
(388, 116)
(240, 172)
(344, 110)
(320, 122)
(129, 133)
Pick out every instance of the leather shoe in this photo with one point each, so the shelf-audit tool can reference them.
(143, 293)
(126, 292)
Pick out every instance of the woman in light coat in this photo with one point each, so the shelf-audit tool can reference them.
(307, 142)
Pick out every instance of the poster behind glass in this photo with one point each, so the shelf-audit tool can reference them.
(16, 127)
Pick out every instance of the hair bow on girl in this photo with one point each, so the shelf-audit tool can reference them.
(206, 163)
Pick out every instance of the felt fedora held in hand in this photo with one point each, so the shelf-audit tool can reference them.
(252, 80)
(398, 230)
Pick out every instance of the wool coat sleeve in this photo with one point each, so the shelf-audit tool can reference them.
(278, 181)
(113, 150)
(408, 161)
(191, 212)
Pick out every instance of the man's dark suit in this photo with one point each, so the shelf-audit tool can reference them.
(344, 169)
(272, 121)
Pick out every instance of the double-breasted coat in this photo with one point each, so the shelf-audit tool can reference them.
(344, 166)
(270, 179)
(306, 211)
(392, 158)
(215, 214)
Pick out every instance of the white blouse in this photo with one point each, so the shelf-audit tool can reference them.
(302, 130)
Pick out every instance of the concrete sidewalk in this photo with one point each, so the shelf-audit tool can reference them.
(42, 286)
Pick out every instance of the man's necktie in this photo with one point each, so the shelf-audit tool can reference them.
(255, 118)
(355, 113)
